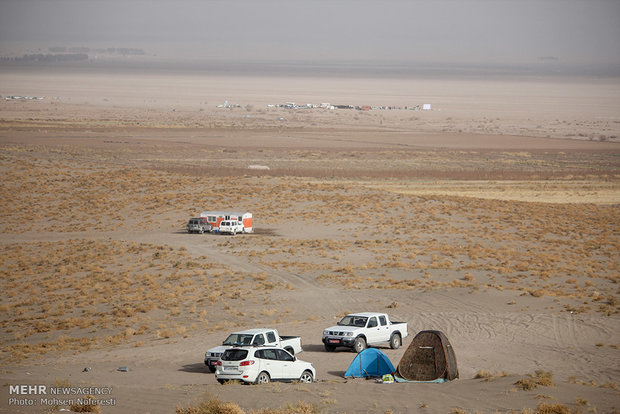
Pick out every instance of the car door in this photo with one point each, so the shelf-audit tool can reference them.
(384, 326)
(289, 367)
(269, 362)
(373, 331)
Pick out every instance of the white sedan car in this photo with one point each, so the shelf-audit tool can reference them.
(261, 365)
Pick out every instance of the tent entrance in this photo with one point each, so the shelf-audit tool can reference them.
(424, 365)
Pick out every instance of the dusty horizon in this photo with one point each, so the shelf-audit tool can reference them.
(565, 37)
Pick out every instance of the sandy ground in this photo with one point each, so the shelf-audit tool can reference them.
(513, 182)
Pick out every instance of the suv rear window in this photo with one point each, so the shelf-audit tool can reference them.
(234, 354)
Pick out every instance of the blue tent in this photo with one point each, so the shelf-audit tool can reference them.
(369, 363)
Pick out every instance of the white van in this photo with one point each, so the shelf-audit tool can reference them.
(231, 227)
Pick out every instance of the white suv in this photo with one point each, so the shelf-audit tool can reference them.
(261, 365)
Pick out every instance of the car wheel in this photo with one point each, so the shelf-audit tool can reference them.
(222, 381)
(359, 345)
(330, 348)
(306, 377)
(395, 341)
(263, 378)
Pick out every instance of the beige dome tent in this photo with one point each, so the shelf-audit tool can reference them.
(429, 357)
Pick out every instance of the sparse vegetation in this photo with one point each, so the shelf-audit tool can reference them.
(216, 406)
(539, 226)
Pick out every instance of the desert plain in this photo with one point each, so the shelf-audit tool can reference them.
(493, 217)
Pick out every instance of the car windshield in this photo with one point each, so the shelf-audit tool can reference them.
(238, 339)
(352, 320)
(234, 354)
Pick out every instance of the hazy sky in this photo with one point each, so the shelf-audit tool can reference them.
(460, 31)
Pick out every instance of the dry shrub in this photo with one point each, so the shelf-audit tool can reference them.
(165, 333)
(546, 408)
(299, 408)
(484, 374)
(212, 406)
(216, 406)
(488, 375)
(542, 378)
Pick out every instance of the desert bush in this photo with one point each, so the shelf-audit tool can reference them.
(542, 378)
(216, 406)
(546, 408)
(212, 406)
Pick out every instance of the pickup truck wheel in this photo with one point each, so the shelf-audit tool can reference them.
(211, 368)
(290, 350)
(263, 378)
(359, 345)
(330, 348)
(395, 341)
(306, 377)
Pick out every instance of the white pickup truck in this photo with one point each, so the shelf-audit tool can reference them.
(359, 330)
(253, 337)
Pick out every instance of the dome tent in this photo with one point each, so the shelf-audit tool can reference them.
(371, 362)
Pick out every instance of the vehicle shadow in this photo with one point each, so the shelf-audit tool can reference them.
(314, 348)
(198, 367)
(337, 373)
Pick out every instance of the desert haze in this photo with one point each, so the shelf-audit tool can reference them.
(493, 217)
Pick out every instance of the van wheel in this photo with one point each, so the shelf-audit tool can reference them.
(359, 345)
(395, 341)
(263, 378)
(306, 377)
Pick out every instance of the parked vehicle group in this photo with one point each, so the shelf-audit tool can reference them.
(261, 355)
(224, 222)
